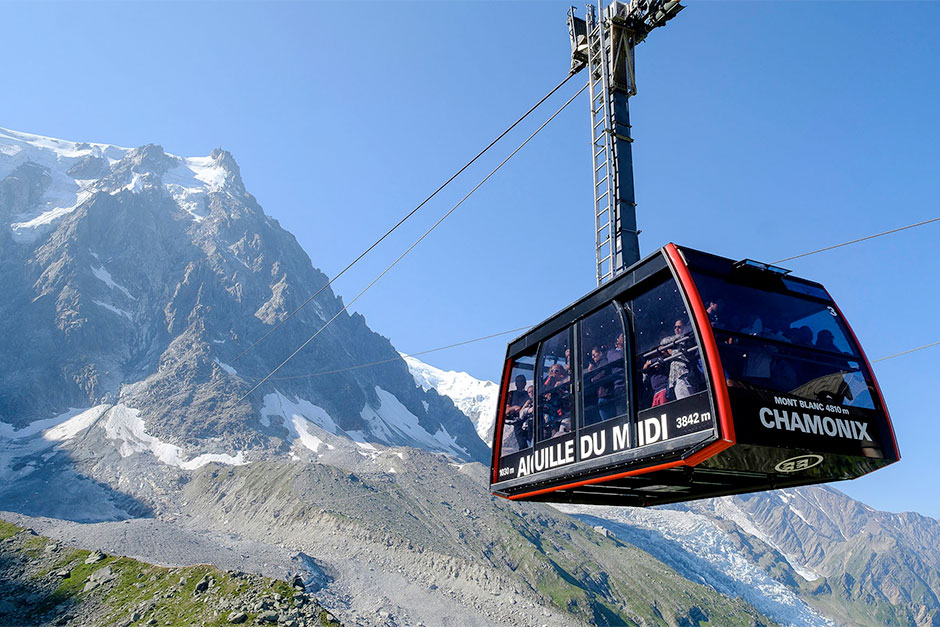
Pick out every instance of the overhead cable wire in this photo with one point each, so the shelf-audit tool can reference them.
(486, 337)
(386, 361)
(418, 241)
(855, 241)
(913, 350)
(407, 216)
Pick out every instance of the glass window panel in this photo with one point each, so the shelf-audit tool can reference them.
(519, 413)
(778, 316)
(786, 342)
(800, 371)
(603, 375)
(554, 387)
(666, 354)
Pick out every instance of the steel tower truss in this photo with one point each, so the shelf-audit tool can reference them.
(604, 42)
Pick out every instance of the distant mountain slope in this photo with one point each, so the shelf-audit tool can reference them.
(474, 397)
(802, 556)
(134, 278)
(795, 553)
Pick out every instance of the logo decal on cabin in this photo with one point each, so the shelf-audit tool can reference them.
(798, 463)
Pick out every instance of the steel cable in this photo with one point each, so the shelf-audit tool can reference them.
(404, 219)
(855, 241)
(418, 241)
(486, 337)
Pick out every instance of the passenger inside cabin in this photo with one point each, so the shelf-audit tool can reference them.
(518, 424)
(555, 403)
(802, 336)
(618, 372)
(616, 352)
(683, 372)
(526, 418)
(517, 397)
(656, 376)
(557, 374)
(824, 341)
(598, 359)
(712, 308)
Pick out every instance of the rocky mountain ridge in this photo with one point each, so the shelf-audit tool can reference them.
(136, 278)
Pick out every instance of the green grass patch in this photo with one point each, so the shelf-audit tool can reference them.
(8, 530)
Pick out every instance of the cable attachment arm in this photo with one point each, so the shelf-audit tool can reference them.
(577, 32)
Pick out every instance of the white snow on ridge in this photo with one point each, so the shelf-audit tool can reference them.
(392, 421)
(207, 171)
(475, 398)
(297, 416)
(61, 427)
(189, 183)
(113, 309)
(105, 277)
(75, 424)
(39, 436)
(726, 508)
(390, 424)
(124, 423)
(65, 193)
(224, 366)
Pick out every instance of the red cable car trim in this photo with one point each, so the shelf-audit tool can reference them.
(881, 397)
(693, 460)
(719, 384)
(500, 414)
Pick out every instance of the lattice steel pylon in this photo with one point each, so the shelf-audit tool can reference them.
(604, 42)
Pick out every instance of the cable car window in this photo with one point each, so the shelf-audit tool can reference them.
(782, 317)
(784, 342)
(803, 288)
(519, 413)
(554, 387)
(666, 353)
(603, 375)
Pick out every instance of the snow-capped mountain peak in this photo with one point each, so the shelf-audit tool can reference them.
(67, 174)
(474, 397)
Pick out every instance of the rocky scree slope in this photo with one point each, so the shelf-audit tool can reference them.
(406, 530)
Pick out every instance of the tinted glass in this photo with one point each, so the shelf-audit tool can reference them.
(603, 376)
(554, 387)
(779, 316)
(784, 342)
(667, 356)
(519, 413)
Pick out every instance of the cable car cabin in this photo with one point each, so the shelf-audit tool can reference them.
(687, 376)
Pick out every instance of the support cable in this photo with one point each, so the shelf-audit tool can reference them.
(406, 217)
(386, 361)
(855, 241)
(486, 337)
(418, 241)
(913, 350)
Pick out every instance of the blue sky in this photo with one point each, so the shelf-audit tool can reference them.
(762, 130)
